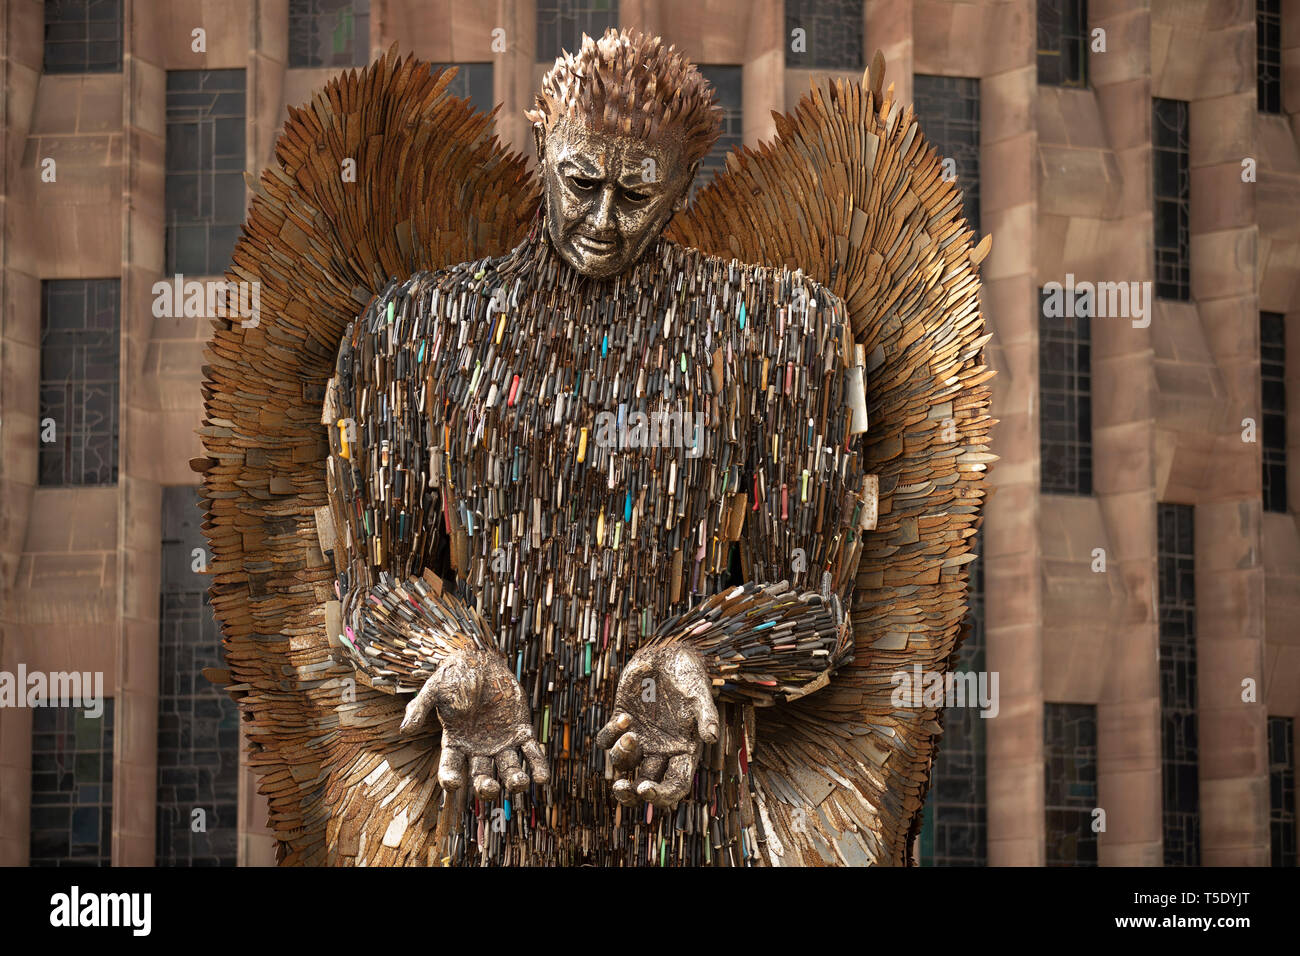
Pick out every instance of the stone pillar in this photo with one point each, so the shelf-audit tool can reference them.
(21, 51)
(1124, 457)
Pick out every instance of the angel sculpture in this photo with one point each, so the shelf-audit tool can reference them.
(644, 504)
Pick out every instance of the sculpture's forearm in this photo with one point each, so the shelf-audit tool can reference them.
(399, 633)
(766, 643)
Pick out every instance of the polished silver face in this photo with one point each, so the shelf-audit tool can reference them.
(608, 197)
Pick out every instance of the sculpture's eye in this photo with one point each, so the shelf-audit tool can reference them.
(634, 195)
(584, 185)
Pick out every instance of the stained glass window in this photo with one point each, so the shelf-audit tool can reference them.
(832, 34)
(1268, 54)
(329, 33)
(1169, 141)
(948, 108)
(728, 82)
(205, 169)
(72, 785)
(561, 24)
(83, 36)
(80, 374)
(1177, 595)
(473, 82)
(1065, 400)
(1281, 791)
(1272, 426)
(955, 827)
(1070, 778)
(1063, 42)
(198, 723)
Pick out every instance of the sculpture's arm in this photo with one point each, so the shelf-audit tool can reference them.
(783, 633)
(402, 628)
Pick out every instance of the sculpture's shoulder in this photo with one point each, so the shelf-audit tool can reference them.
(772, 295)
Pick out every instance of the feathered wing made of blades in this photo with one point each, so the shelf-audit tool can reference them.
(850, 192)
(382, 174)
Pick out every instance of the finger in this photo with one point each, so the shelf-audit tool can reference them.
(626, 754)
(676, 783)
(537, 761)
(451, 768)
(510, 771)
(706, 718)
(613, 730)
(485, 785)
(625, 792)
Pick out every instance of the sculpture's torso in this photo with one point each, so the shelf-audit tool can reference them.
(583, 463)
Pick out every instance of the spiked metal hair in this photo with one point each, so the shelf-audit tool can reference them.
(631, 83)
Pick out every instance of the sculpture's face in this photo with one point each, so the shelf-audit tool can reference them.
(608, 197)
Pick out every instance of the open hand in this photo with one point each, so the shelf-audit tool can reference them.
(485, 723)
(663, 715)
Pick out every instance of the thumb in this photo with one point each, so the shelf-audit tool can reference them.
(706, 717)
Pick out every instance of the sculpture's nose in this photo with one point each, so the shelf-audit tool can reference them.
(603, 221)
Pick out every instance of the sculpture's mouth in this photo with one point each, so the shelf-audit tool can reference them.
(595, 246)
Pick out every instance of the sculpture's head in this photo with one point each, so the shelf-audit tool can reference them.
(621, 127)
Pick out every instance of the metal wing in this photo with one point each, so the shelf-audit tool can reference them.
(851, 192)
(381, 175)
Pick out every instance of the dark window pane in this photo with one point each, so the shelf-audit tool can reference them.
(1065, 396)
(83, 37)
(1272, 382)
(329, 33)
(1169, 141)
(473, 82)
(1281, 789)
(79, 381)
(561, 24)
(1268, 54)
(728, 82)
(1063, 42)
(832, 34)
(72, 800)
(954, 829)
(948, 108)
(1070, 780)
(198, 756)
(205, 158)
(1175, 542)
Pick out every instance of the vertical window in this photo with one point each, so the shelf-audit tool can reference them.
(1070, 775)
(949, 110)
(1281, 791)
(1169, 142)
(80, 374)
(831, 37)
(205, 169)
(1268, 54)
(1065, 396)
(1180, 779)
(329, 33)
(954, 831)
(72, 785)
(83, 36)
(728, 82)
(1272, 407)
(561, 24)
(1063, 42)
(473, 82)
(198, 723)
